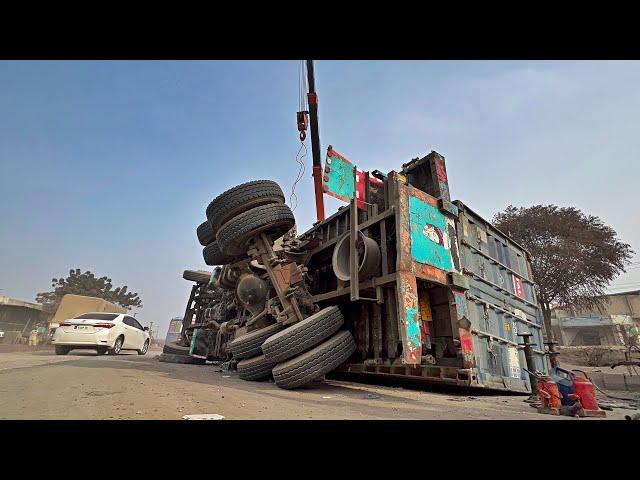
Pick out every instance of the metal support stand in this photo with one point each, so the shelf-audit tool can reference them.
(353, 251)
(528, 355)
(553, 355)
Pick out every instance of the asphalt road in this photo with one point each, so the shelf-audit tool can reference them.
(82, 385)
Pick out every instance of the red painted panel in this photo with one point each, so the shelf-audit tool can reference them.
(518, 288)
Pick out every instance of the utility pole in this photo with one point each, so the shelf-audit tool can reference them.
(312, 100)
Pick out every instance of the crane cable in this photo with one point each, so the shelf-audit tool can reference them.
(302, 105)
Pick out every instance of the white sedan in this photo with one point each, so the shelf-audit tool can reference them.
(104, 332)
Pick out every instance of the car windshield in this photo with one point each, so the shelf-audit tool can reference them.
(98, 316)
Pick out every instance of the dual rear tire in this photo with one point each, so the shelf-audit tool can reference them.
(309, 349)
(253, 364)
(315, 363)
(297, 355)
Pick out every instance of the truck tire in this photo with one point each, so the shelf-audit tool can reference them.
(175, 349)
(315, 363)
(213, 256)
(199, 276)
(275, 220)
(302, 336)
(205, 233)
(172, 358)
(249, 345)
(241, 198)
(255, 368)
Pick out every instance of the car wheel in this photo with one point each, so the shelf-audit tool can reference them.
(117, 346)
(273, 220)
(145, 347)
(62, 350)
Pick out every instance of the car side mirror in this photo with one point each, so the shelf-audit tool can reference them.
(146, 329)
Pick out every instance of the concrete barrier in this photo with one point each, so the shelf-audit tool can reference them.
(613, 381)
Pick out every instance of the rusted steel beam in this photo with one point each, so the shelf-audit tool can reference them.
(267, 256)
(391, 334)
(188, 313)
(364, 225)
(354, 283)
(430, 374)
(342, 291)
(409, 318)
(363, 327)
(383, 246)
(376, 329)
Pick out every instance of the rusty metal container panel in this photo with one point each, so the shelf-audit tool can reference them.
(426, 250)
(501, 302)
(427, 243)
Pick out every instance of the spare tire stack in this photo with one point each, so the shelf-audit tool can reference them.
(248, 201)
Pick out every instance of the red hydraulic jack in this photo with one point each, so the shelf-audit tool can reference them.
(584, 398)
(550, 398)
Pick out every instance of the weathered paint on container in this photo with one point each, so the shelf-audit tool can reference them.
(501, 302)
(453, 290)
(430, 241)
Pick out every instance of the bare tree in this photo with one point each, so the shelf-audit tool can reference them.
(574, 256)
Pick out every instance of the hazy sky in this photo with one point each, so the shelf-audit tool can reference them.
(108, 166)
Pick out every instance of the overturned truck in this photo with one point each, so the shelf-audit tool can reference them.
(402, 282)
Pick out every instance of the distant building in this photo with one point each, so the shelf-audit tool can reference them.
(610, 324)
(18, 318)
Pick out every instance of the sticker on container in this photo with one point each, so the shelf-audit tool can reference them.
(520, 314)
(514, 362)
(518, 287)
